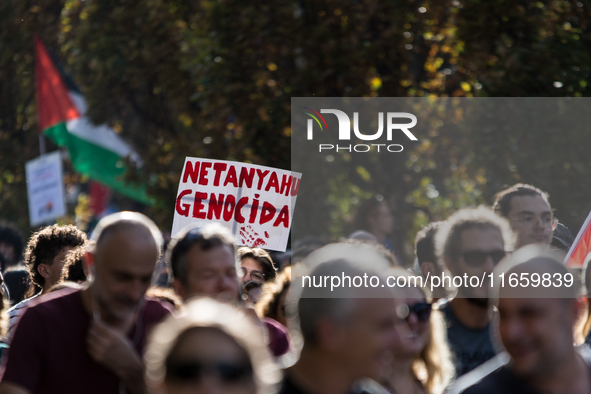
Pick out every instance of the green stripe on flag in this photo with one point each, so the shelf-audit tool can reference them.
(97, 163)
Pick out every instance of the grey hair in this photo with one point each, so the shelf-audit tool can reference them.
(448, 237)
(338, 305)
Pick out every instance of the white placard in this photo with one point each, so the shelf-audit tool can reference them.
(255, 202)
(45, 188)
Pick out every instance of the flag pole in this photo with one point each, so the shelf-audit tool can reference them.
(41, 144)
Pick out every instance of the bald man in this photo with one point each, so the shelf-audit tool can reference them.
(91, 340)
(536, 321)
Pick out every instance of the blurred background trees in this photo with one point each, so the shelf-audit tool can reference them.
(214, 79)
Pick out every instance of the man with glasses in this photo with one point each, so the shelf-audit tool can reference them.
(470, 243)
(203, 263)
(528, 210)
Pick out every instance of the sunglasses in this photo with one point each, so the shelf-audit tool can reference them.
(422, 310)
(193, 371)
(477, 258)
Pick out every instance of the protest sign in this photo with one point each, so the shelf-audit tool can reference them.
(255, 202)
(45, 188)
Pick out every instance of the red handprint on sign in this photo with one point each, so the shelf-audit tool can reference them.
(248, 236)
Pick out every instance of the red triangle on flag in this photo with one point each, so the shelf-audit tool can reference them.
(53, 102)
(99, 198)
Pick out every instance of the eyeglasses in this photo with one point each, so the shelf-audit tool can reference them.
(477, 258)
(194, 370)
(254, 274)
(422, 310)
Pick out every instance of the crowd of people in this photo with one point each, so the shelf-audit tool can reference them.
(120, 312)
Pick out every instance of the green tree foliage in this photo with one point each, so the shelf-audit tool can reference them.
(18, 131)
(523, 48)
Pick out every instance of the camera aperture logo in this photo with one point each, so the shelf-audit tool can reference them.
(345, 130)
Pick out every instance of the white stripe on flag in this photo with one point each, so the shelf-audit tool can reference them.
(101, 135)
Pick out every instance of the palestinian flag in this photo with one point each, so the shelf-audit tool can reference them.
(581, 247)
(95, 151)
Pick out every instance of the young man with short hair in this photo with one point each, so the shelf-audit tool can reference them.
(528, 210)
(44, 259)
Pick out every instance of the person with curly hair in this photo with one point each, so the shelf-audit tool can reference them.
(272, 303)
(74, 269)
(44, 259)
(375, 217)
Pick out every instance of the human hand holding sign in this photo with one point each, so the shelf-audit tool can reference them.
(113, 350)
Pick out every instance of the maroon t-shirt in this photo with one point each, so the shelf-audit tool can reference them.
(48, 351)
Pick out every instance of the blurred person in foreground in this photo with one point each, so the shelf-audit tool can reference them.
(471, 243)
(536, 325)
(91, 340)
(528, 210)
(422, 360)
(213, 348)
(257, 269)
(347, 332)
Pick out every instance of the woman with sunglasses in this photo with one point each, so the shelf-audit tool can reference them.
(213, 348)
(421, 360)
